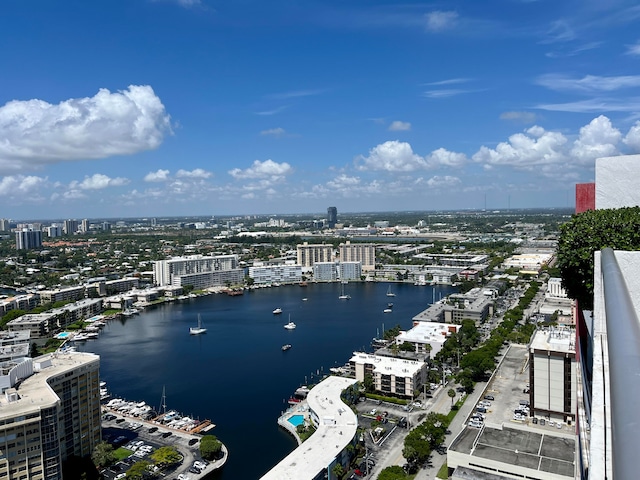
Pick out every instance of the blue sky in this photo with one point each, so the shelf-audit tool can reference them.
(202, 107)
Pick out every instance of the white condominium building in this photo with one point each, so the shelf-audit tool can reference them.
(365, 253)
(198, 270)
(397, 376)
(265, 274)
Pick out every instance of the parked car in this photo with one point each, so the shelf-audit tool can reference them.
(489, 397)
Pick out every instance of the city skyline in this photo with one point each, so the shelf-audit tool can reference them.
(194, 107)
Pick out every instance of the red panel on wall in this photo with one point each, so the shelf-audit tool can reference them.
(585, 197)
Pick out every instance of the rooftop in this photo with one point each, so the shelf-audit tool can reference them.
(398, 367)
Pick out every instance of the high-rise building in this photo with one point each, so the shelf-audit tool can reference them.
(49, 411)
(365, 253)
(332, 217)
(4, 225)
(28, 239)
(308, 255)
(199, 271)
(85, 226)
(70, 227)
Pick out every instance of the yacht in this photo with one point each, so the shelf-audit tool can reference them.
(199, 329)
(286, 347)
(277, 311)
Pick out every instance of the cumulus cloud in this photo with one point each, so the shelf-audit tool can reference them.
(632, 139)
(443, 157)
(21, 185)
(398, 126)
(195, 173)
(438, 21)
(392, 156)
(98, 181)
(523, 117)
(445, 181)
(597, 139)
(274, 132)
(266, 169)
(157, 176)
(589, 83)
(34, 133)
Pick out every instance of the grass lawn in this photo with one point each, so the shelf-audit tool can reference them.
(122, 453)
(443, 472)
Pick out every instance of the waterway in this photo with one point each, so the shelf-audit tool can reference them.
(236, 374)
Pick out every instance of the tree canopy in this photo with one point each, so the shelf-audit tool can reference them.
(102, 455)
(210, 447)
(587, 233)
(394, 472)
(165, 456)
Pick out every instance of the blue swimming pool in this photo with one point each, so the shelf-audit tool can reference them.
(296, 420)
(63, 335)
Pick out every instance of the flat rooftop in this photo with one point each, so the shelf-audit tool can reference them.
(555, 340)
(337, 428)
(427, 332)
(399, 367)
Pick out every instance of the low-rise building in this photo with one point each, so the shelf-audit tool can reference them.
(427, 333)
(69, 294)
(39, 325)
(391, 376)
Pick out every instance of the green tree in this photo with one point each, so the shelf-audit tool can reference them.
(338, 470)
(166, 456)
(452, 394)
(368, 383)
(210, 447)
(394, 472)
(102, 455)
(138, 470)
(587, 233)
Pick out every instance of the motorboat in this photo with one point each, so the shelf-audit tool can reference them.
(387, 310)
(199, 329)
(277, 311)
(286, 347)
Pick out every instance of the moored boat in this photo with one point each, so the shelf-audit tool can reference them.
(286, 347)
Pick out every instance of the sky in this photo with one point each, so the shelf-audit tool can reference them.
(134, 108)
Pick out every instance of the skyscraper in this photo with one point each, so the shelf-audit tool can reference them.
(332, 217)
(28, 239)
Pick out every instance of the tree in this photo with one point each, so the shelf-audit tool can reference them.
(166, 456)
(138, 470)
(102, 455)
(394, 472)
(368, 383)
(452, 394)
(210, 447)
(587, 233)
(338, 470)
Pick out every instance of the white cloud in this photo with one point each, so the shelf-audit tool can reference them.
(559, 31)
(265, 169)
(633, 49)
(595, 105)
(21, 185)
(295, 94)
(273, 111)
(189, 3)
(632, 139)
(397, 126)
(443, 157)
(98, 181)
(34, 133)
(446, 181)
(392, 156)
(445, 93)
(275, 132)
(589, 83)
(523, 117)
(157, 176)
(597, 139)
(449, 81)
(343, 181)
(195, 173)
(437, 21)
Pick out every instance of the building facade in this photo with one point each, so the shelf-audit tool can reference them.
(308, 255)
(267, 274)
(28, 239)
(198, 271)
(365, 253)
(332, 217)
(391, 376)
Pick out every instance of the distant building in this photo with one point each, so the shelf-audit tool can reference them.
(4, 225)
(350, 271)
(28, 239)
(325, 271)
(555, 288)
(53, 231)
(61, 295)
(332, 217)
(365, 253)
(266, 274)
(70, 227)
(49, 412)
(85, 226)
(308, 255)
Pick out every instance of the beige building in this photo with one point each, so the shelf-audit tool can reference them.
(395, 376)
(365, 253)
(61, 295)
(308, 255)
(49, 411)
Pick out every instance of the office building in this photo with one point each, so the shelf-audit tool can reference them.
(198, 271)
(28, 239)
(49, 411)
(365, 253)
(308, 255)
(332, 217)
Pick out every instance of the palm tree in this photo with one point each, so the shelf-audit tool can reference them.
(452, 394)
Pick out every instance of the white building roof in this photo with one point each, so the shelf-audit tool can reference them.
(399, 367)
(335, 431)
(555, 340)
(427, 332)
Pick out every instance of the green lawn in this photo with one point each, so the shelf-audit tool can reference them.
(122, 453)
(443, 472)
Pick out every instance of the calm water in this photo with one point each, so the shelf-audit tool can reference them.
(236, 374)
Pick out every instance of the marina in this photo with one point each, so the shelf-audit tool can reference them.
(237, 375)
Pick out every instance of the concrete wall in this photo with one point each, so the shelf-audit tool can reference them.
(617, 181)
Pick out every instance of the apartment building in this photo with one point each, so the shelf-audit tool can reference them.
(27, 239)
(308, 255)
(391, 376)
(268, 274)
(350, 271)
(427, 333)
(365, 253)
(68, 294)
(199, 271)
(49, 411)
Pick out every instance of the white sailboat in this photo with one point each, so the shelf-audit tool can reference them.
(390, 293)
(290, 325)
(343, 296)
(199, 329)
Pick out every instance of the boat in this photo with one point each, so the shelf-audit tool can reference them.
(387, 310)
(199, 329)
(389, 305)
(277, 311)
(390, 293)
(343, 296)
(305, 299)
(290, 325)
(286, 347)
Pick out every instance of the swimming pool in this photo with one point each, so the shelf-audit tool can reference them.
(62, 335)
(296, 420)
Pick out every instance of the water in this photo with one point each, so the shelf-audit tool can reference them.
(236, 374)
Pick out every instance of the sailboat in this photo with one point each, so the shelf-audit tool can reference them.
(290, 325)
(343, 296)
(390, 293)
(199, 329)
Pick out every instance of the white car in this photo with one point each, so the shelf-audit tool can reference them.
(475, 424)
(373, 412)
